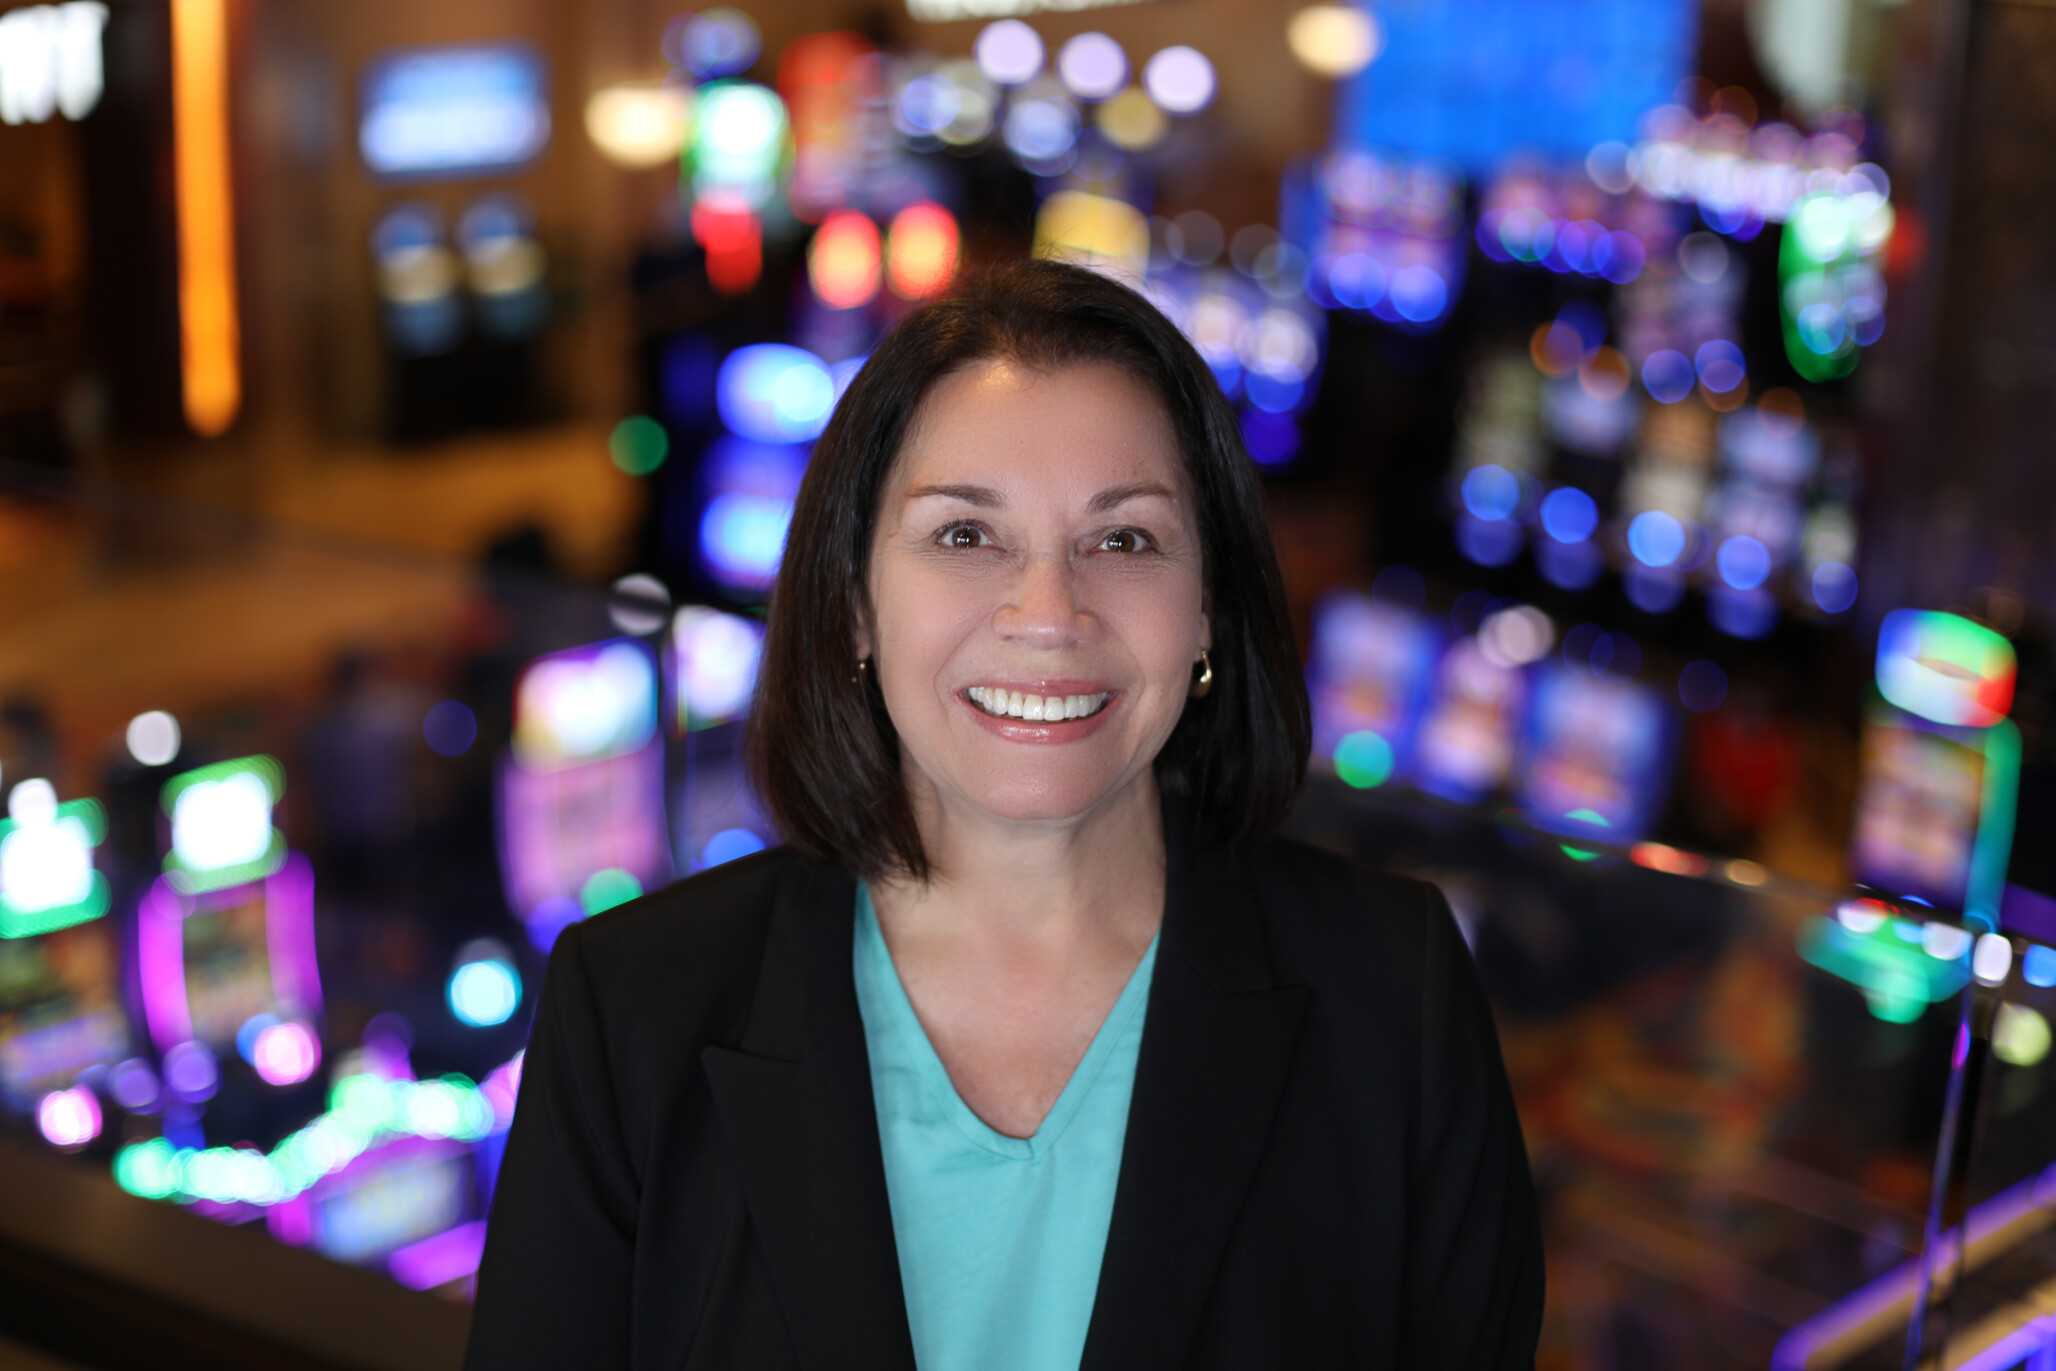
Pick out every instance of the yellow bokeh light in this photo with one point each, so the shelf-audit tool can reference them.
(639, 125)
(209, 330)
(1334, 40)
(1131, 120)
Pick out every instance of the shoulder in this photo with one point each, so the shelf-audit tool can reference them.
(1329, 917)
(681, 962)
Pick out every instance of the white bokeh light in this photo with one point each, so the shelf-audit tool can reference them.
(153, 738)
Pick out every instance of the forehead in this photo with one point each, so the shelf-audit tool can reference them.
(1073, 428)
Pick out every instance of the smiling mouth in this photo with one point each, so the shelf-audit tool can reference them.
(1005, 704)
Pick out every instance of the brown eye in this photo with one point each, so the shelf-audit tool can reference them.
(1125, 540)
(961, 536)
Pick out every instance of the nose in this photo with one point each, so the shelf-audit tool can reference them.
(1043, 608)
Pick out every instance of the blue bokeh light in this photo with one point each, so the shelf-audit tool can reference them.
(1744, 562)
(1272, 439)
(484, 993)
(775, 393)
(1419, 294)
(1668, 376)
(1488, 542)
(729, 844)
(1569, 515)
(1491, 492)
(742, 536)
(1656, 538)
(1834, 587)
(450, 728)
(1742, 614)
(1720, 365)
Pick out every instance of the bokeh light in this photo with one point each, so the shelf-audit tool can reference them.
(639, 445)
(484, 990)
(449, 728)
(844, 261)
(1180, 79)
(1009, 52)
(1744, 562)
(1092, 65)
(603, 890)
(728, 845)
(1334, 40)
(921, 246)
(69, 1118)
(1491, 492)
(775, 393)
(2020, 1035)
(286, 1053)
(1834, 587)
(1363, 759)
(153, 738)
(1569, 515)
(1655, 538)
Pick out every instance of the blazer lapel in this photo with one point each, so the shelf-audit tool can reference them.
(1217, 1043)
(796, 1101)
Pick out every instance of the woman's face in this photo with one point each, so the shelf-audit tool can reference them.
(1036, 593)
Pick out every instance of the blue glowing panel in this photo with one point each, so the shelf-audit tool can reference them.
(1474, 82)
(438, 112)
(1596, 754)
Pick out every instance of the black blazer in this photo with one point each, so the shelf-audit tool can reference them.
(1323, 1168)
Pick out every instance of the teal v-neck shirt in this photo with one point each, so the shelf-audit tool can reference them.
(1000, 1239)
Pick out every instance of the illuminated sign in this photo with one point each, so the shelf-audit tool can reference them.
(585, 705)
(50, 61)
(454, 112)
(1945, 668)
(221, 832)
(948, 11)
(1472, 82)
(47, 880)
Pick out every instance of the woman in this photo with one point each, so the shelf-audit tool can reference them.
(1032, 1050)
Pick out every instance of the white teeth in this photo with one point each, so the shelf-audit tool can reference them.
(1013, 704)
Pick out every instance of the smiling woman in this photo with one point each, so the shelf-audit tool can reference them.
(1032, 1049)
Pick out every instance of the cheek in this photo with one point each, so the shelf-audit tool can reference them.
(922, 619)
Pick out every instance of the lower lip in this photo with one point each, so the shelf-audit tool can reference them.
(1028, 731)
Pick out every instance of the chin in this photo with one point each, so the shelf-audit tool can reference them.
(1047, 800)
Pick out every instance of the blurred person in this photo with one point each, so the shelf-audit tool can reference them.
(1034, 1048)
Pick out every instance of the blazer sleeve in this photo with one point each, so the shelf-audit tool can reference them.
(554, 1282)
(1475, 1268)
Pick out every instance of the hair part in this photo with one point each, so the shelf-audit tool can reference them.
(822, 750)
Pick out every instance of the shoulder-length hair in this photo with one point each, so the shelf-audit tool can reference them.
(822, 750)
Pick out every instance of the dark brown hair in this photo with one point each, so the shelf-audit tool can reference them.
(822, 749)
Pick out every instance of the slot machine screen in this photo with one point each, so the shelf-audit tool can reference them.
(1917, 807)
(1595, 754)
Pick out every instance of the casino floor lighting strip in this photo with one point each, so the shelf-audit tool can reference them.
(363, 1111)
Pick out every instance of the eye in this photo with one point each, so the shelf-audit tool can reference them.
(1127, 540)
(964, 536)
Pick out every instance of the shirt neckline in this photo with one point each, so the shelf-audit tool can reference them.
(871, 944)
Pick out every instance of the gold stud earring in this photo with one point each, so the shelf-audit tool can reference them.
(1206, 676)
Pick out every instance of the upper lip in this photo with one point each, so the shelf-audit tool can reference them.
(1069, 686)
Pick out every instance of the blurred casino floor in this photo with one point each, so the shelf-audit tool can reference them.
(204, 589)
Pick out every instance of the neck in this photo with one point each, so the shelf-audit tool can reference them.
(1044, 889)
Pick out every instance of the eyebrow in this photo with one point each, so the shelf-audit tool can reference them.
(985, 497)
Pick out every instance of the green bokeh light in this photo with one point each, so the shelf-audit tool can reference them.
(639, 445)
(1584, 816)
(606, 889)
(1363, 759)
